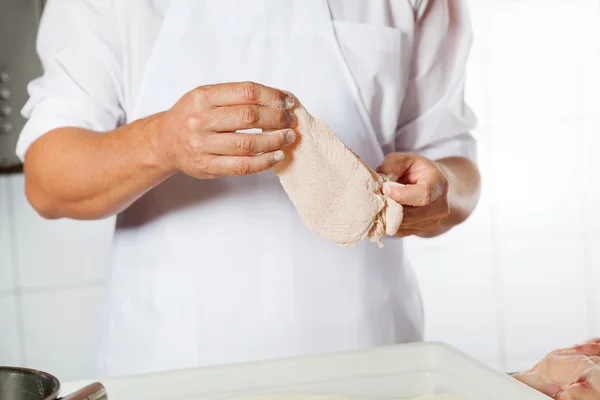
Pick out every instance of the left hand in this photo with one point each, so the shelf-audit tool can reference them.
(425, 196)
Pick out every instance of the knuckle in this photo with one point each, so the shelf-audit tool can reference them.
(195, 143)
(199, 95)
(249, 91)
(242, 167)
(246, 144)
(392, 157)
(202, 165)
(249, 115)
(194, 123)
(199, 122)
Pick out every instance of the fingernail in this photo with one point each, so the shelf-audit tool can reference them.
(289, 137)
(289, 102)
(278, 156)
(387, 189)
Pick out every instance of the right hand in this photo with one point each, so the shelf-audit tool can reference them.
(198, 134)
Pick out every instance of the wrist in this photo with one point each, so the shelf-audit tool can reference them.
(149, 131)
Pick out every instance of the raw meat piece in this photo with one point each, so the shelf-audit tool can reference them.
(337, 195)
(567, 374)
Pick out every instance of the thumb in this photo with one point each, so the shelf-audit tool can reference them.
(394, 165)
(411, 195)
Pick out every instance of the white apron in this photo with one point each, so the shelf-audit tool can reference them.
(220, 271)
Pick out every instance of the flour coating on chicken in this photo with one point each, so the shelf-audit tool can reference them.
(336, 194)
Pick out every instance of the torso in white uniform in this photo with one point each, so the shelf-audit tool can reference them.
(220, 271)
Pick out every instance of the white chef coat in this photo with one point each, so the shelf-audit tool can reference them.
(256, 290)
(94, 53)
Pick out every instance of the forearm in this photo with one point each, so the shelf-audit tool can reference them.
(464, 187)
(81, 174)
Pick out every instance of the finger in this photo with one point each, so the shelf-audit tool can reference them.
(234, 118)
(247, 93)
(414, 215)
(407, 232)
(245, 165)
(242, 144)
(437, 210)
(421, 224)
(417, 195)
(420, 228)
(395, 164)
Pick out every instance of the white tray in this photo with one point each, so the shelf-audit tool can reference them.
(397, 372)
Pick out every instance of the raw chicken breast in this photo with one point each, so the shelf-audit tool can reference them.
(567, 374)
(336, 194)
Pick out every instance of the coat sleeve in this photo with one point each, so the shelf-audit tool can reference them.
(82, 81)
(434, 120)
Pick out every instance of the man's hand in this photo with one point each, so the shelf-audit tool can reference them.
(102, 173)
(425, 196)
(198, 134)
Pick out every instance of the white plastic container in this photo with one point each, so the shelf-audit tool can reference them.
(398, 372)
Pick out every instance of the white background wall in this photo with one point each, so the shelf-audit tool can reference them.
(514, 282)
